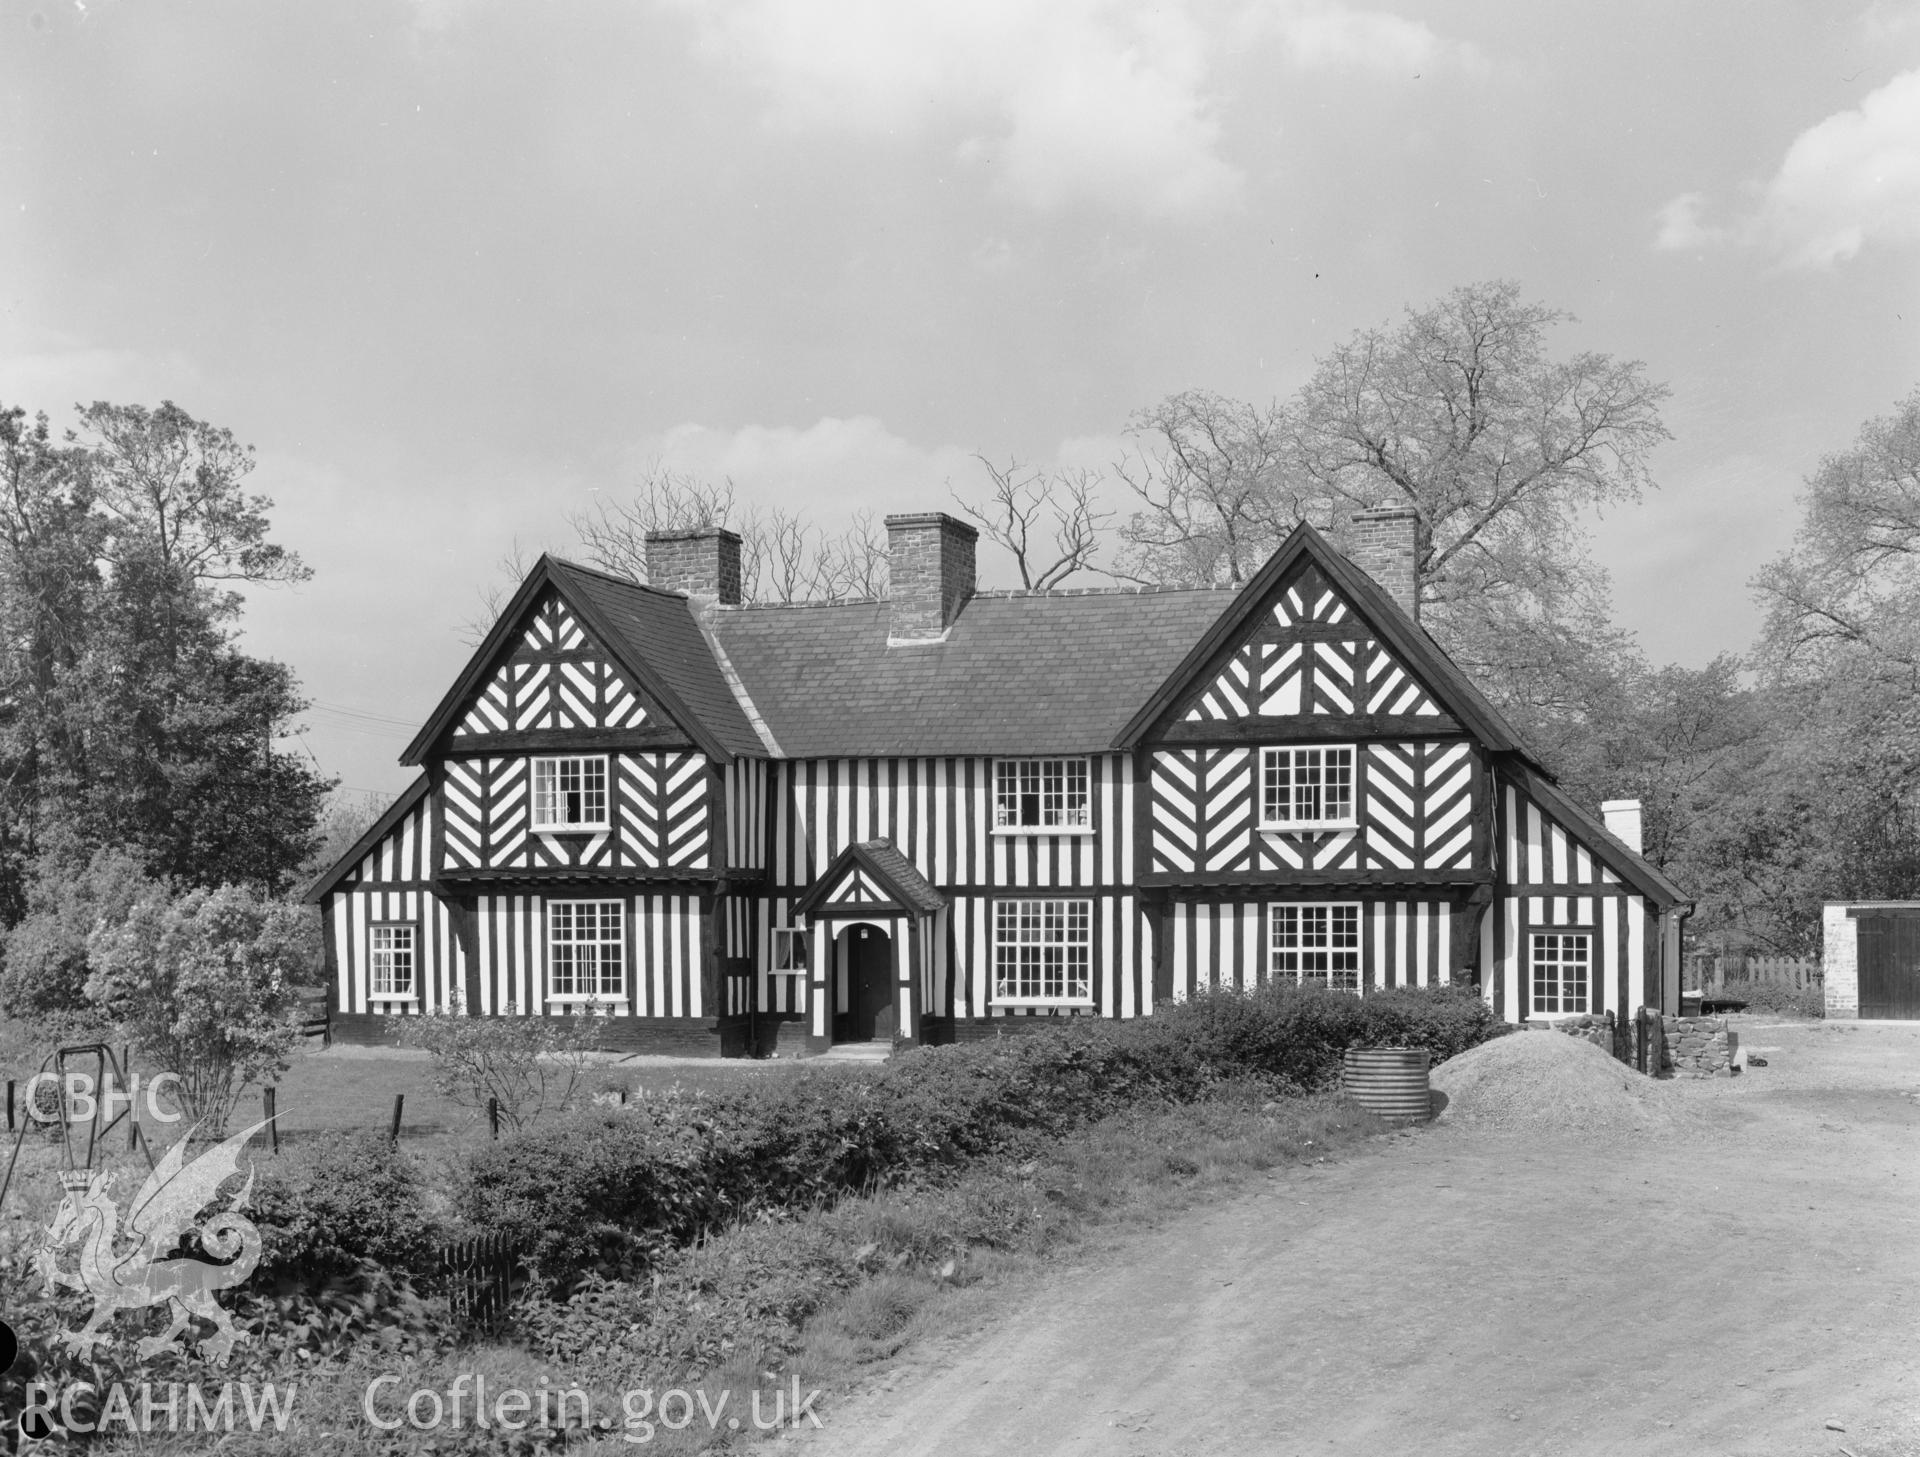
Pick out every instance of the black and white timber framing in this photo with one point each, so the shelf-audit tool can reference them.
(784, 821)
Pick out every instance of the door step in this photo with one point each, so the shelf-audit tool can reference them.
(857, 1052)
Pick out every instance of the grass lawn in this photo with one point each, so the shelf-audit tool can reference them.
(342, 1089)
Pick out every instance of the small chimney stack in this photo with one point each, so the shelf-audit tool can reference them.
(1386, 546)
(703, 562)
(1622, 818)
(929, 575)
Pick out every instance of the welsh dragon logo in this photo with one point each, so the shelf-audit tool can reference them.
(135, 1264)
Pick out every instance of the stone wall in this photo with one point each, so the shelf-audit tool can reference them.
(1700, 1047)
(1693, 1047)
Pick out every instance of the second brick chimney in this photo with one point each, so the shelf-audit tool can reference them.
(703, 562)
(1386, 546)
(929, 575)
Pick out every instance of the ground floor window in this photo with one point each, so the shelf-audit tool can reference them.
(1562, 962)
(789, 950)
(1043, 951)
(1316, 944)
(394, 960)
(586, 949)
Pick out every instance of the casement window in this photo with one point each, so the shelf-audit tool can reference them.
(393, 957)
(1307, 788)
(570, 793)
(789, 951)
(1042, 952)
(1315, 944)
(1562, 962)
(586, 950)
(1048, 796)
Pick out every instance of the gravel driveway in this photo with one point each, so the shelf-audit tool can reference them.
(1729, 1288)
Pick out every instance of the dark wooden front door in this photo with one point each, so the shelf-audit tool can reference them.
(1890, 966)
(869, 963)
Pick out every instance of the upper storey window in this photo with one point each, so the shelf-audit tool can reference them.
(1044, 796)
(570, 792)
(1307, 788)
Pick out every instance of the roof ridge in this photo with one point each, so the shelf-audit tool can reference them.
(617, 578)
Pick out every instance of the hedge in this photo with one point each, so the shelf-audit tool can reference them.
(608, 1190)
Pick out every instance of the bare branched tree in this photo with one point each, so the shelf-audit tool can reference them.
(1048, 520)
(508, 573)
(853, 564)
(1212, 478)
(615, 532)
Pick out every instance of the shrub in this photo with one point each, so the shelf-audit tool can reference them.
(47, 962)
(528, 1064)
(328, 1208)
(205, 987)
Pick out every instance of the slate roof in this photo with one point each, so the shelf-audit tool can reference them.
(1056, 673)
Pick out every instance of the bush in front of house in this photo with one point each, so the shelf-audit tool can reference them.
(525, 1066)
(609, 1190)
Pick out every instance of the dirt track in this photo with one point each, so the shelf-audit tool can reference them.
(1727, 1291)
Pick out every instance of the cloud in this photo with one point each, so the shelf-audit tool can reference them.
(1852, 179)
(1116, 103)
(1322, 36)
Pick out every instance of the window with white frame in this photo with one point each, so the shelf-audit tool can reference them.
(789, 950)
(1043, 951)
(586, 950)
(393, 954)
(1562, 962)
(570, 793)
(1307, 788)
(1315, 944)
(1049, 795)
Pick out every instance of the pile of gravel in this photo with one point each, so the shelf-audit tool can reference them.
(1547, 1083)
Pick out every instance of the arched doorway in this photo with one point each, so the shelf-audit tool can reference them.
(863, 1000)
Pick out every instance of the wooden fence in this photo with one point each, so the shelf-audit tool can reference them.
(1706, 972)
(478, 1276)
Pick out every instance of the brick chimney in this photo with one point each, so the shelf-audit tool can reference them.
(1622, 817)
(703, 562)
(1386, 543)
(929, 575)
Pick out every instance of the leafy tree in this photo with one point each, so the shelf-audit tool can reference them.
(1848, 590)
(206, 987)
(128, 715)
(47, 957)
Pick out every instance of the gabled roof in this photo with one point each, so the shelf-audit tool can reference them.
(1018, 673)
(1452, 688)
(1613, 852)
(651, 635)
(891, 870)
(363, 846)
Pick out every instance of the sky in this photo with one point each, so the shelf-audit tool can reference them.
(459, 270)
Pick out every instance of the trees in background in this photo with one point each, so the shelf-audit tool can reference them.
(129, 716)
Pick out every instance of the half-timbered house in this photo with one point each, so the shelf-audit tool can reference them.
(734, 827)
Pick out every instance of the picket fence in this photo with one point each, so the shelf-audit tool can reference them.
(1714, 973)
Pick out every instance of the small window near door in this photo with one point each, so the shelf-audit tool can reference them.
(789, 951)
(1562, 965)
